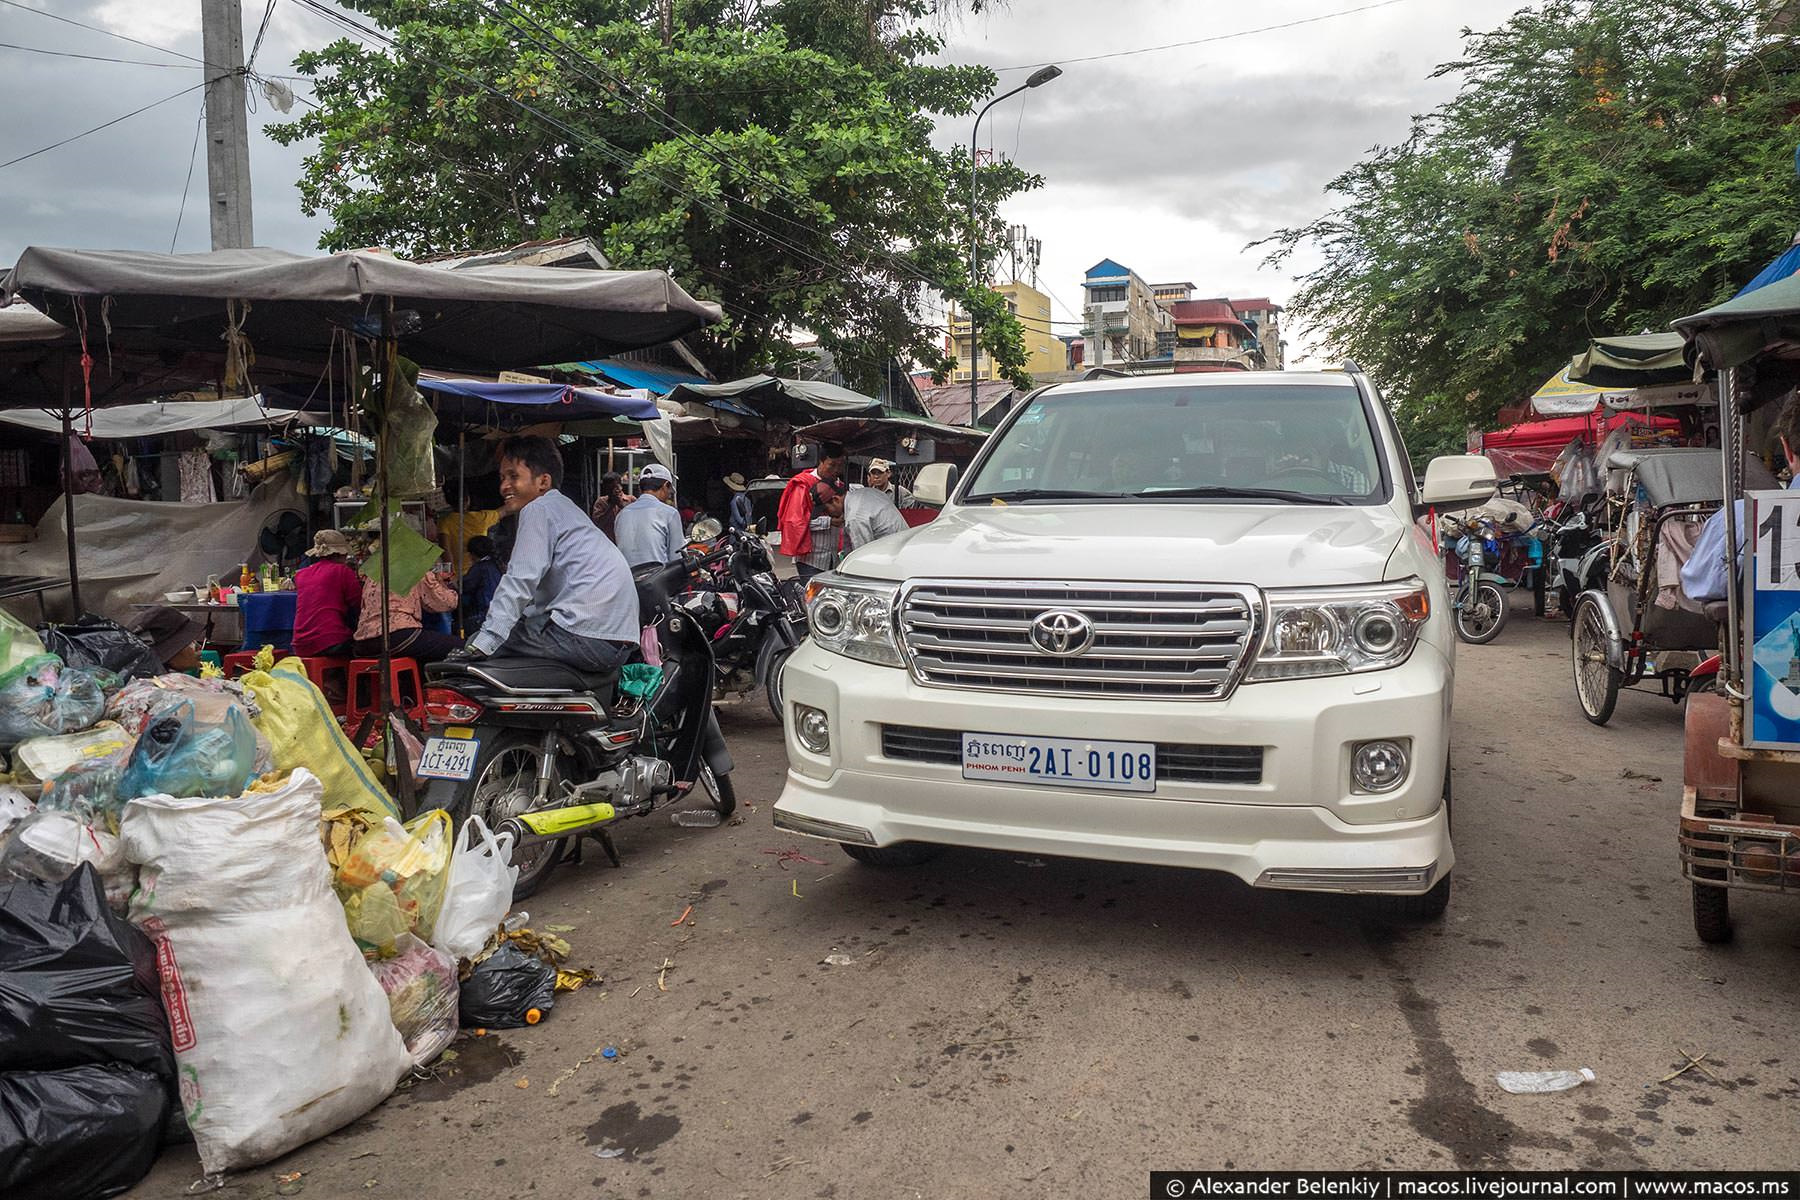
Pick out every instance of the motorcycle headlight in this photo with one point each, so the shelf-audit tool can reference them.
(1339, 631)
(853, 617)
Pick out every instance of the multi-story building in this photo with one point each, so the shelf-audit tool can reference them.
(1264, 318)
(1209, 336)
(1120, 317)
(1044, 354)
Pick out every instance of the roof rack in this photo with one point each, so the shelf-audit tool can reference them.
(1104, 373)
(1349, 367)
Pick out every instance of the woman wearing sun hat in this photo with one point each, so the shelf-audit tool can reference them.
(742, 515)
(327, 597)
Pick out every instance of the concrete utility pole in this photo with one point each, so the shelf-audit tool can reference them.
(227, 124)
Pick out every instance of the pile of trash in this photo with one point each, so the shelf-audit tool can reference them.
(214, 922)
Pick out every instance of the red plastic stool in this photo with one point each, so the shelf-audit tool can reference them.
(239, 661)
(406, 684)
(324, 672)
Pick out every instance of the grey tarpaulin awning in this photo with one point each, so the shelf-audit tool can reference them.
(1632, 360)
(1680, 475)
(850, 429)
(477, 318)
(1731, 334)
(21, 323)
(154, 420)
(797, 401)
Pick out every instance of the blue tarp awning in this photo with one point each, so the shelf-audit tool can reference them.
(1781, 268)
(476, 401)
(660, 380)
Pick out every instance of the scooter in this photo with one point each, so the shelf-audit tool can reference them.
(754, 620)
(1478, 601)
(550, 753)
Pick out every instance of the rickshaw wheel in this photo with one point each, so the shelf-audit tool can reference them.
(1712, 913)
(1596, 680)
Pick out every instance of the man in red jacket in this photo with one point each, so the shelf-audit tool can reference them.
(812, 513)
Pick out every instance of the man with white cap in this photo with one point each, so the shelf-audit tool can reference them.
(881, 478)
(649, 528)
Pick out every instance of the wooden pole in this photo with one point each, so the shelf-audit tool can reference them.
(384, 704)
(68, 461)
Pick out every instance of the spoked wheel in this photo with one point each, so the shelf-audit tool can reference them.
(1482, 614)
(505, 786)
(1596, 679)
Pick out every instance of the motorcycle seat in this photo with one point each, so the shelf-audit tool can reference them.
(529, 675)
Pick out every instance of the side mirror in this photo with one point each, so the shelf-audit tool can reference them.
(1458, 481)
(934, 484)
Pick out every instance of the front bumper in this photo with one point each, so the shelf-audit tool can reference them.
(1300, 827)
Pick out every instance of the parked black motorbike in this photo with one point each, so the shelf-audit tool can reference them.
(754, 620)
(550, 753)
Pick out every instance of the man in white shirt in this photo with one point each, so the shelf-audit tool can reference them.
(869, 513)
(567, 593)
(648, 529)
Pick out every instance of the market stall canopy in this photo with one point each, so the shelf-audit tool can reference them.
(23, 323)
(1745, 326)
(1783, 266)
(891, 425)
(1630, 361)
(154, 420)
(1563, 397)
(476, 318)
(794, 400)
(660, 380)
(479, 402)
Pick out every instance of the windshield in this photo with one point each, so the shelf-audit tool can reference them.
(1265, 443)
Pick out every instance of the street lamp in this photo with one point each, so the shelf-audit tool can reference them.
(1039, 78)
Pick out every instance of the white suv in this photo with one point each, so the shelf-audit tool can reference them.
(1181, 619)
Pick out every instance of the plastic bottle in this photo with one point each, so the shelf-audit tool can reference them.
(246, 581)
(695, 818)
(1527, 1083)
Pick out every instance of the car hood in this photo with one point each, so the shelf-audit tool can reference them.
(1261, 545)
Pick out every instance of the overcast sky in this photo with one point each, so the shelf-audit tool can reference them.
(1169, 162)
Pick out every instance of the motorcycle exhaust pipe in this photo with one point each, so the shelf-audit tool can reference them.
(549, 823)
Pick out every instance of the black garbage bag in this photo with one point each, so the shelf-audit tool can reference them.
(504, 987)
(78, 985)
(79, 1133)
(94, 641)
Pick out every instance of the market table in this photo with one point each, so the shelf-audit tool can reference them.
(207, 610)
(14, 586)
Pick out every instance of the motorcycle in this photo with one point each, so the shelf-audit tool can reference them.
(549, 753)
(1479, 602)
(755, 621)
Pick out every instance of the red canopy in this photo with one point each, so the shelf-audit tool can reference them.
(1533, 445)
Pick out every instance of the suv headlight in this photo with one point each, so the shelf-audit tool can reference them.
(1339, 631)
(853, 617)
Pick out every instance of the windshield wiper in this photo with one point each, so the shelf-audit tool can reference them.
(1241, 493)
(1043, 494)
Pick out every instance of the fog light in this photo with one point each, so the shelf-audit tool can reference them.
(1378, 766)
(812, 729)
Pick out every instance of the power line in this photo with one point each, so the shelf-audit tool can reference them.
(268, 11)
(133, 62)
(107, 125)
(193, 154)
(97, 29)
(1217, 37)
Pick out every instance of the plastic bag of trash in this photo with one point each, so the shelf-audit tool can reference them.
(186, 751)
(47, 757)
(420, 982)
(393, 882)
(480, 890)
(45, 698)
(281, 1032)
(94, 641)
(302, 732)
(78, 984)
(505, 990)
(15, 806)
(18, 644)
(51, 845)
(79, 1133)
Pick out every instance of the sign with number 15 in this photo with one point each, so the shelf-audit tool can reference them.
(1772, 592)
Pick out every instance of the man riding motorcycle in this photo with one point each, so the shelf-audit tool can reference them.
(567, 594)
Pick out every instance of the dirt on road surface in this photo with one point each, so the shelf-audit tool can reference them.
(994, 1024)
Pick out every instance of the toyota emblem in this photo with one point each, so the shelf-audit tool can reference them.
(1062, 632)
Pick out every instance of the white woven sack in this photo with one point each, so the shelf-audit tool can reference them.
(281, 1033)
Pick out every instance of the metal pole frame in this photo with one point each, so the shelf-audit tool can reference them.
(975, 263)
(1731, 440)
(68, 473)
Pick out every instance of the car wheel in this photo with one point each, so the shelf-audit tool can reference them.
(901, 854)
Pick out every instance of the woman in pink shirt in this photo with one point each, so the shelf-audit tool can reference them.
(406, 635)
(327, 595)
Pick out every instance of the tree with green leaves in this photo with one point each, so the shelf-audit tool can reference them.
(772, 155)
(1606, 166)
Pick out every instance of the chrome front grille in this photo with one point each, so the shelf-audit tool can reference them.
(1151, 641)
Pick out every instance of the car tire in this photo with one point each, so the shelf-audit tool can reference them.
(901, 854)
(1427, 906)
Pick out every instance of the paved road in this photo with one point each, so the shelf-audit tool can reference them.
(1060, 1027)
